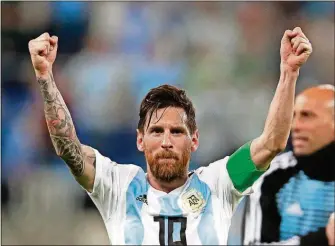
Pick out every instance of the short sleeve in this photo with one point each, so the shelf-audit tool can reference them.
(109, 182)
(220, 183)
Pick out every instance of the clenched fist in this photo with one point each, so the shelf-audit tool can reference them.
(295, 49)
(43, 51)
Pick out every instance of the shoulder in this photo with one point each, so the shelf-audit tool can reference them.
(213, 167)
(111, 168)
(214, 173)
(281, 170)
(281, 166)
(282, 163)
(136, 182)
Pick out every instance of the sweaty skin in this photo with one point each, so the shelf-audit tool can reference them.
(313, 120)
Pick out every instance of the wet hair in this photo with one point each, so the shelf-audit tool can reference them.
(165, 96)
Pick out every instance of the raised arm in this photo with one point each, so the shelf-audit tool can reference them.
(79, 158)
(294, 51)
(250, 161)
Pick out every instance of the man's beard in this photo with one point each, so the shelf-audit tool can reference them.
(168, 170)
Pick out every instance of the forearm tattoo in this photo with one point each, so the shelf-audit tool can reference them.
(61, 127)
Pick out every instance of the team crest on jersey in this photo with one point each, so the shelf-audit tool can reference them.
(193, 201)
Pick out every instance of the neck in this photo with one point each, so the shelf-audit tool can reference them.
(165, 186)
(320, 164)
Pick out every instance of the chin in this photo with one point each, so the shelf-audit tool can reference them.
(167, 179)
(168, 172)
(166, 175)
(301, 152)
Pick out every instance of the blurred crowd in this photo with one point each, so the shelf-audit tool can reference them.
(224, 54)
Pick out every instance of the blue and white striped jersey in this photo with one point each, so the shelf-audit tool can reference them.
(303, 204)
(198, 213)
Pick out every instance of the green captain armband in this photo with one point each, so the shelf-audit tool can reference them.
(241, 169)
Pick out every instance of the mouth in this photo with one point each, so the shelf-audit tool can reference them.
(167, 158)
(299, 140)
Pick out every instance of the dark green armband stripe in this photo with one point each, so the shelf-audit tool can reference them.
(242, 170)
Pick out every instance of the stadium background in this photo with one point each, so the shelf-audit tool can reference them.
(225, 54)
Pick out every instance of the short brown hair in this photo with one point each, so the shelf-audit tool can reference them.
(166, 96)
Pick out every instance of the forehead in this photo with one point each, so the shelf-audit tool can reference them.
(170, 115)
(304, 102)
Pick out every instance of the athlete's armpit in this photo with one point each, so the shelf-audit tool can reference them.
(89, 155)
(88, 177)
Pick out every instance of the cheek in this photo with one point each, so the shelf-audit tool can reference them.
(183, 144)
(327, 129)
(313, 127)
(150, 144)
(323, 130)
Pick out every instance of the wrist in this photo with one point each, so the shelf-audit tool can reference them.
(44, 75)
(284, 68)
(287, 72)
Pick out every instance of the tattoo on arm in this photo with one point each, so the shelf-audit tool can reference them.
(70, 151)
(60, 125)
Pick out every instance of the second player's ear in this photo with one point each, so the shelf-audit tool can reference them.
(139, 140)
(195, 141)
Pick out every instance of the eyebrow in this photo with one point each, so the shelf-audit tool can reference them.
(155, 127)
(159, 127)
(180, 128)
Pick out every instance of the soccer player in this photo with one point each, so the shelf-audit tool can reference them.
(169, 205)
(293, 201)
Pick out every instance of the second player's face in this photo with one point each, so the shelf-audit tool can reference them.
(167, 144)
(313, 125)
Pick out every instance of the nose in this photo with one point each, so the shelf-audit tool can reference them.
(166, 142)
(296, 125)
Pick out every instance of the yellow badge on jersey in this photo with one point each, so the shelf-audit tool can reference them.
(193, 201)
